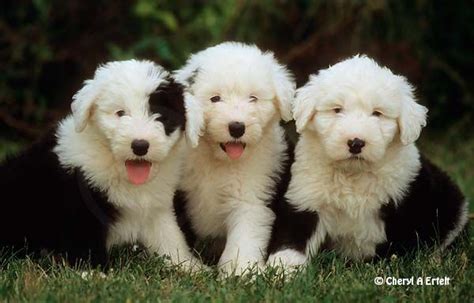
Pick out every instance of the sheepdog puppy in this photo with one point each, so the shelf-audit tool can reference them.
(106, 175)
(237, 96)
(359, 184)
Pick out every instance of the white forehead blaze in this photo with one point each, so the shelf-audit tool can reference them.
(241, 73)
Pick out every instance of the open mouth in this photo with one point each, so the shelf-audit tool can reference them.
(233, 149)
(138, 171)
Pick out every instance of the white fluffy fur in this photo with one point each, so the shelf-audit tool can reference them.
(348, 191)
(288, 258)
(95, 139)
(228, 198)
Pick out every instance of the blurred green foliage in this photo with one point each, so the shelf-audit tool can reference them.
(49, 47)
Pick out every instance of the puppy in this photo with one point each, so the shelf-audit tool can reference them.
(359, 183)
(237, 95)
(106, 175)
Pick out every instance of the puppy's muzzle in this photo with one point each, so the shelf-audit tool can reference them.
(140, 147)
(355, 146)
(236, 129)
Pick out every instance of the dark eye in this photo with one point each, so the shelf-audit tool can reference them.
(253, 98)
(120, 113)
(376, 113)
(337, 110)
(215, 99)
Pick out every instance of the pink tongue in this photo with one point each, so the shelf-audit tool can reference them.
(138, 171)
(234, 150)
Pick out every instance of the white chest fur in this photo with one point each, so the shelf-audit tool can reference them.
(140, 208)
(356, 237)
(348, 200)
(214, 189)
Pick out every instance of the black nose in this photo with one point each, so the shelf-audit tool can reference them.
(140, 147)
(236, 129)
(355, 146)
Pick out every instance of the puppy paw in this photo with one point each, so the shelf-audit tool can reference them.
(288, 260)
(232, 268)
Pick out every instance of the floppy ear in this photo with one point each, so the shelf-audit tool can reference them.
(304, 106)
(412, 116)
(194, 110)
(194, 119)
(187, 74)
(284, 88)
(82, 104)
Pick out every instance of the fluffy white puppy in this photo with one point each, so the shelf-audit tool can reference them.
(358, 171)
(107, 174)
(236, 96)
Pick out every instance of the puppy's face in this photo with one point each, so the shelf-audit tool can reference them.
(359, 110)
(235, 85)
(356, 126)
(137, 111)
(236, 111)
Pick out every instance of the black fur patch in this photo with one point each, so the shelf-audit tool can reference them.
(168, 101)
(43, 208)
(184, 221)
(430, 210)
(292, 228)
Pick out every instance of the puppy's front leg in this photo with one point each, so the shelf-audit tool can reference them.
(248, 233)
(163, 236)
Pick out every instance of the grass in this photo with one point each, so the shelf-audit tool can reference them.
(137, 277)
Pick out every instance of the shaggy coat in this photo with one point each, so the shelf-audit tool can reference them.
(239, 95)
(359, 185)
(88, 185)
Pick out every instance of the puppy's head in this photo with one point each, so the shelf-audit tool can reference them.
(136, 110)
(358, 109)
(233, 92)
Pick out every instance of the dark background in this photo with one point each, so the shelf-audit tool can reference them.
(48, 48)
